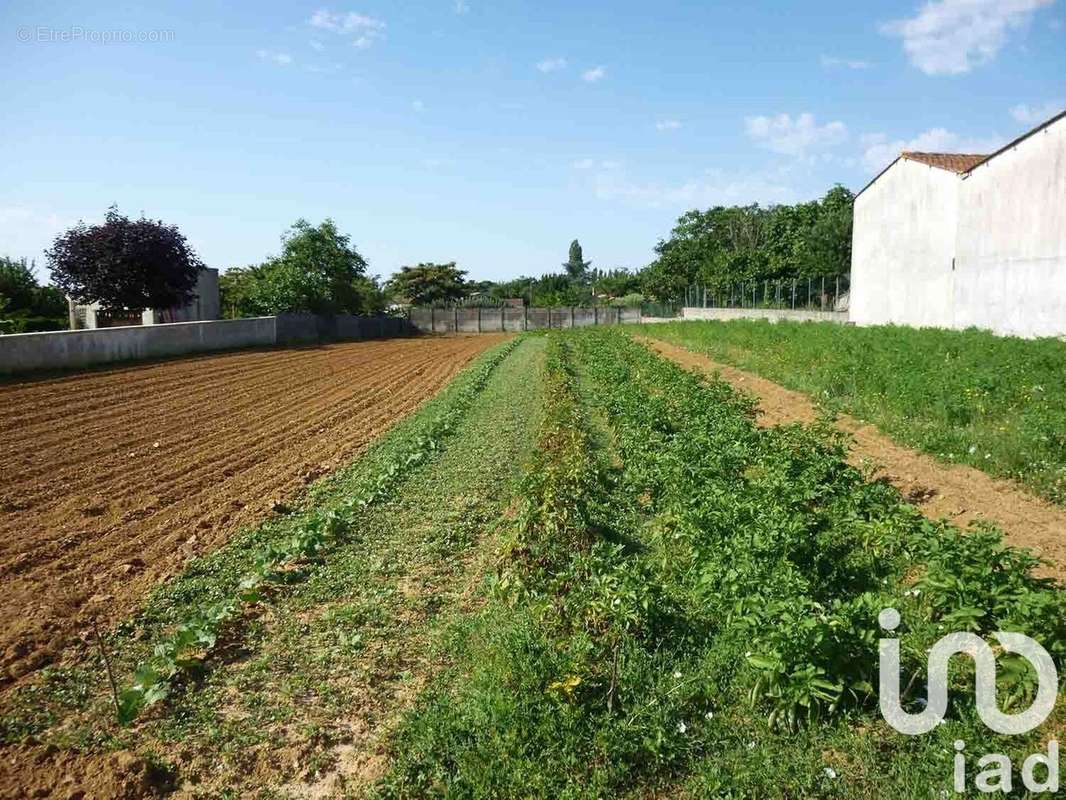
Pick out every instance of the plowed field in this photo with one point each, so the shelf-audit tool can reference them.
(111, 480)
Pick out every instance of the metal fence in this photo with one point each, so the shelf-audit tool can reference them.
(660, 310)
(822, 293)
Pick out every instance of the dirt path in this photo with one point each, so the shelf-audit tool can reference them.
(111, 480)
(960, 493)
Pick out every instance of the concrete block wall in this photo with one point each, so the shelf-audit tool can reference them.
(514, 319)
(489, 320)
(537, 318)
(296, 329)
(29, 352)
(771, 314)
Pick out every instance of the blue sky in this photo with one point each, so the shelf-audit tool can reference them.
(490, 133)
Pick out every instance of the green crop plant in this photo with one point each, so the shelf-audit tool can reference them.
(997, 403)
(683, 589)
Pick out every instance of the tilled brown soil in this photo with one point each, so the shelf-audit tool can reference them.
(110, 481)
(960, 493)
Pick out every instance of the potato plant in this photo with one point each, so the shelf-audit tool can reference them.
(679, 578)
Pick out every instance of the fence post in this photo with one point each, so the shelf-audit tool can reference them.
(432, 319)
(808, 292)
(571, 316)
(455, 312)
(595, 316)
(525, 317)
(479, 319)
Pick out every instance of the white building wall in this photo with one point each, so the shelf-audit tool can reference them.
(903, 242)
(1010, 250)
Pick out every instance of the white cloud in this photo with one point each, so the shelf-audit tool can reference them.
(795, 137)
(418, 106)
(593, 75)
(831, 62)
(365, 30)
(590, 163)
(344, 23)
(317, 45)
(551, 64)
(713, 187)
(281, 59)
(1034, 115)
(950, 37)
(461, 7)
(668, 125)
(878, 151)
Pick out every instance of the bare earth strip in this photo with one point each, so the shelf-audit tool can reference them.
(959, 493)
(111, 480)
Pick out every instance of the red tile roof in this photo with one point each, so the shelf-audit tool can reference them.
(954, 162)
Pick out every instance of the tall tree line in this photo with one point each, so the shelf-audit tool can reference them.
(725, 245)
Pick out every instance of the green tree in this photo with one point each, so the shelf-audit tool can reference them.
(723, 246)
(18, 285)
(614, 283)
(239, 296)
(26, 306)
(576, 266)
(827, 247)
(428, 284)
(318, 271)
(559, 289)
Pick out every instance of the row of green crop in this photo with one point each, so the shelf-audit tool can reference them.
(184, 649)
(685, 584)
(996, 403)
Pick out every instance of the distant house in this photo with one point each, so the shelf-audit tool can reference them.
(955, 240)
(206, 305)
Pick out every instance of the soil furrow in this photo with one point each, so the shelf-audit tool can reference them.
(84, 528)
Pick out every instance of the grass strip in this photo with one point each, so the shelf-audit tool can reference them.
(301, 703)
(969, 397)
